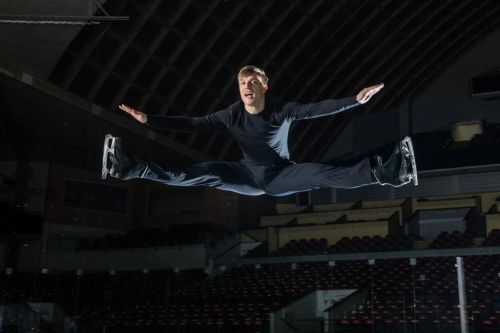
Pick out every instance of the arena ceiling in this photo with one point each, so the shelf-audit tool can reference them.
(180, 57)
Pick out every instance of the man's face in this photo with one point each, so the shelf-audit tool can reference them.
(251, 90)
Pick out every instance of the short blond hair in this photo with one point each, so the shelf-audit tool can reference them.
(249, 70)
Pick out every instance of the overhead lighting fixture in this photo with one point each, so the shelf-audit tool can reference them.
(63, 20)
(60, 20)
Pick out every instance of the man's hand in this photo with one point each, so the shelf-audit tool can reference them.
(364, 95)
(138, 115)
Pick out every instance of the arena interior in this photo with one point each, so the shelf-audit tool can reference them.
(83, 254)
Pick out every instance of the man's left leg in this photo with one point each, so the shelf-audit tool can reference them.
(308, 176)
(401, 167)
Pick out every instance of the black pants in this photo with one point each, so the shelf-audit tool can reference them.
(250, 179)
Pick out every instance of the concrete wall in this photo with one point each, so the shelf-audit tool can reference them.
(182, 257)
(444, 102)
(3, 255)
(307, 313)
(447, 101)
(30, 184)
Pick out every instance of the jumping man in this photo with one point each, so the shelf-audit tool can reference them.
(261, 130)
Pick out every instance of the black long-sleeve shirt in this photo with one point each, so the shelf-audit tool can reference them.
(262, 137)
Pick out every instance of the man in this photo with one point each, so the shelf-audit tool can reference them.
(261, 130)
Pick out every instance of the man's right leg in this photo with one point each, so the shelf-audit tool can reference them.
(228, 176)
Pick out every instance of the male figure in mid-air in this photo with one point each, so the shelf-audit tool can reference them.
(261, 130)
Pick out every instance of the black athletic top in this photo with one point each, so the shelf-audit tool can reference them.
(262, 137)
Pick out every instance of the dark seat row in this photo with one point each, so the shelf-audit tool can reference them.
(345, 245)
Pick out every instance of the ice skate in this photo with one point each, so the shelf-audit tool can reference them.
(115, 161)
(400, 169)
(409, 156)
(109, 151)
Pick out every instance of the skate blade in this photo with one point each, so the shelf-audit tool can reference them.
(109, 149)
(408, 145)
(396, 186)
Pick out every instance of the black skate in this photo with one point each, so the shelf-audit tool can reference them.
(115, 162)
(108, 155)
(400, 169)
(409, 156)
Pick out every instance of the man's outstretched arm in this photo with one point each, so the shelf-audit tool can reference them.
(365, 94)
(177, 123)
(138, 115)
(331, 106)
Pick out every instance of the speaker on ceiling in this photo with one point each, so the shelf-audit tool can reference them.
(486, 85)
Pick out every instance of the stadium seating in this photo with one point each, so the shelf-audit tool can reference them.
(401, 295)
(372, 244)
(446, 240)
(302, 247)
(493, 238)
